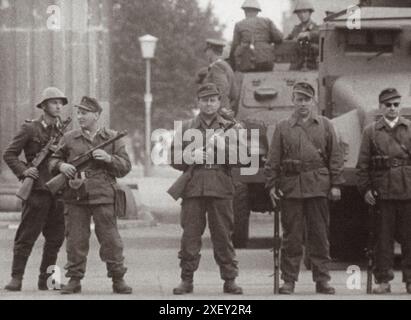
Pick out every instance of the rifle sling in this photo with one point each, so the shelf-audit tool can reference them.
(311, 141)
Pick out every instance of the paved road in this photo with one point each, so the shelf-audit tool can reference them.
(151, 256)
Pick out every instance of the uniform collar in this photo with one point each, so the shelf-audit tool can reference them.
(295, 119)
(102, 132)
(308, 25)
(212, 64)
(45, 125)
(198, 120)
(382, 123)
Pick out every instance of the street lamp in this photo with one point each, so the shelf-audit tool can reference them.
(148, 46)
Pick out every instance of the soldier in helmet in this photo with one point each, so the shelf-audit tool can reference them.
(307, 34)
(307, 28)
(304, 168)
(42, 213)
(220, 73)
(252, 48)
(91, 193)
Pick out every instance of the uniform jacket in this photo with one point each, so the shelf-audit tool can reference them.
(319, 173)
(204, 182)
(393, 183)
(310, 27)
(100, 177)
(260, 31)
(222, 75)
(30, 139)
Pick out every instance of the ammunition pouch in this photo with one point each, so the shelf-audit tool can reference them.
(380, 163)
(296, 167)
(292, 167)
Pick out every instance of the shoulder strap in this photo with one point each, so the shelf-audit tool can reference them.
(397, 141)
(311, 140)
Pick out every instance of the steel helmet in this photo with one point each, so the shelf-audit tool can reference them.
(251, 4)
(52, 93)
(304, 5)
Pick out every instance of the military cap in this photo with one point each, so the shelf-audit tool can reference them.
(251, 4)
(208, 89)
(303, 5)
(305, 89)
(89, 104)
(52, 93)
(388, 94)
(215, 44)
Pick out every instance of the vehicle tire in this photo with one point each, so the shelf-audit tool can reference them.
(241, 216)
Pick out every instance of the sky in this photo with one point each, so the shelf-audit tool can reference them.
(229, 12)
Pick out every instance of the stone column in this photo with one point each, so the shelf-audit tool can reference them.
(33, 56)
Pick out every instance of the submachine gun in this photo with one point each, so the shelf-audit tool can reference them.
(59, 182)
(25, 190)
(276, 245)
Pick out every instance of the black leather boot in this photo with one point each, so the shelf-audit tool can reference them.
(232, 288)
(287, 288)
(14, 285)
(18, 268)
(121, 287)
(72, 287)
(324, 288)
(185, 287)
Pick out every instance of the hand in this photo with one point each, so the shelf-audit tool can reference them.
(303, 35)
(370, 198)
(276, 195)
(335, 194)
(101, 155)
(198, 156)
(68, 170)
(32, 173)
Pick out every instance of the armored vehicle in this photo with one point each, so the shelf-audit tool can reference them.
(357, 59)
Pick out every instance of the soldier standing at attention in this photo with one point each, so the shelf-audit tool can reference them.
(384, 178)
(91, 193)
(209, 191)
(42, 213)
(252, 49)
(221, 74)
(304, 168)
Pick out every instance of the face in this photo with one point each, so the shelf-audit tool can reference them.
(86, 119)
(209, 55)
(391, 108)
(209, 105)
(53, 107)
(304, 15)
(304, 104)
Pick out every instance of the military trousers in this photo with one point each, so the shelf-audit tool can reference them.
(221, 223)
(78, 219)
(41, 214)
(305, 220)
(393, 222)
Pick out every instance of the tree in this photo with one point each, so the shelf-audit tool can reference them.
(182, 28)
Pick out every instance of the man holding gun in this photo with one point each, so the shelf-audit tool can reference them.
(42, 213)
(92, 192)
(384, 178)
(208, 191)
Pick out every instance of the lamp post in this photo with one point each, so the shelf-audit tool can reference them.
(148, 46)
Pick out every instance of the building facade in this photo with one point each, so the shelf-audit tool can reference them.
(49, 43)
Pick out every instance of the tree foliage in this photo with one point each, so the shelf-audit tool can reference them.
(182, 28)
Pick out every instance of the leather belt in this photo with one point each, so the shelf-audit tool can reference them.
(210, 166)
(395, 162)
